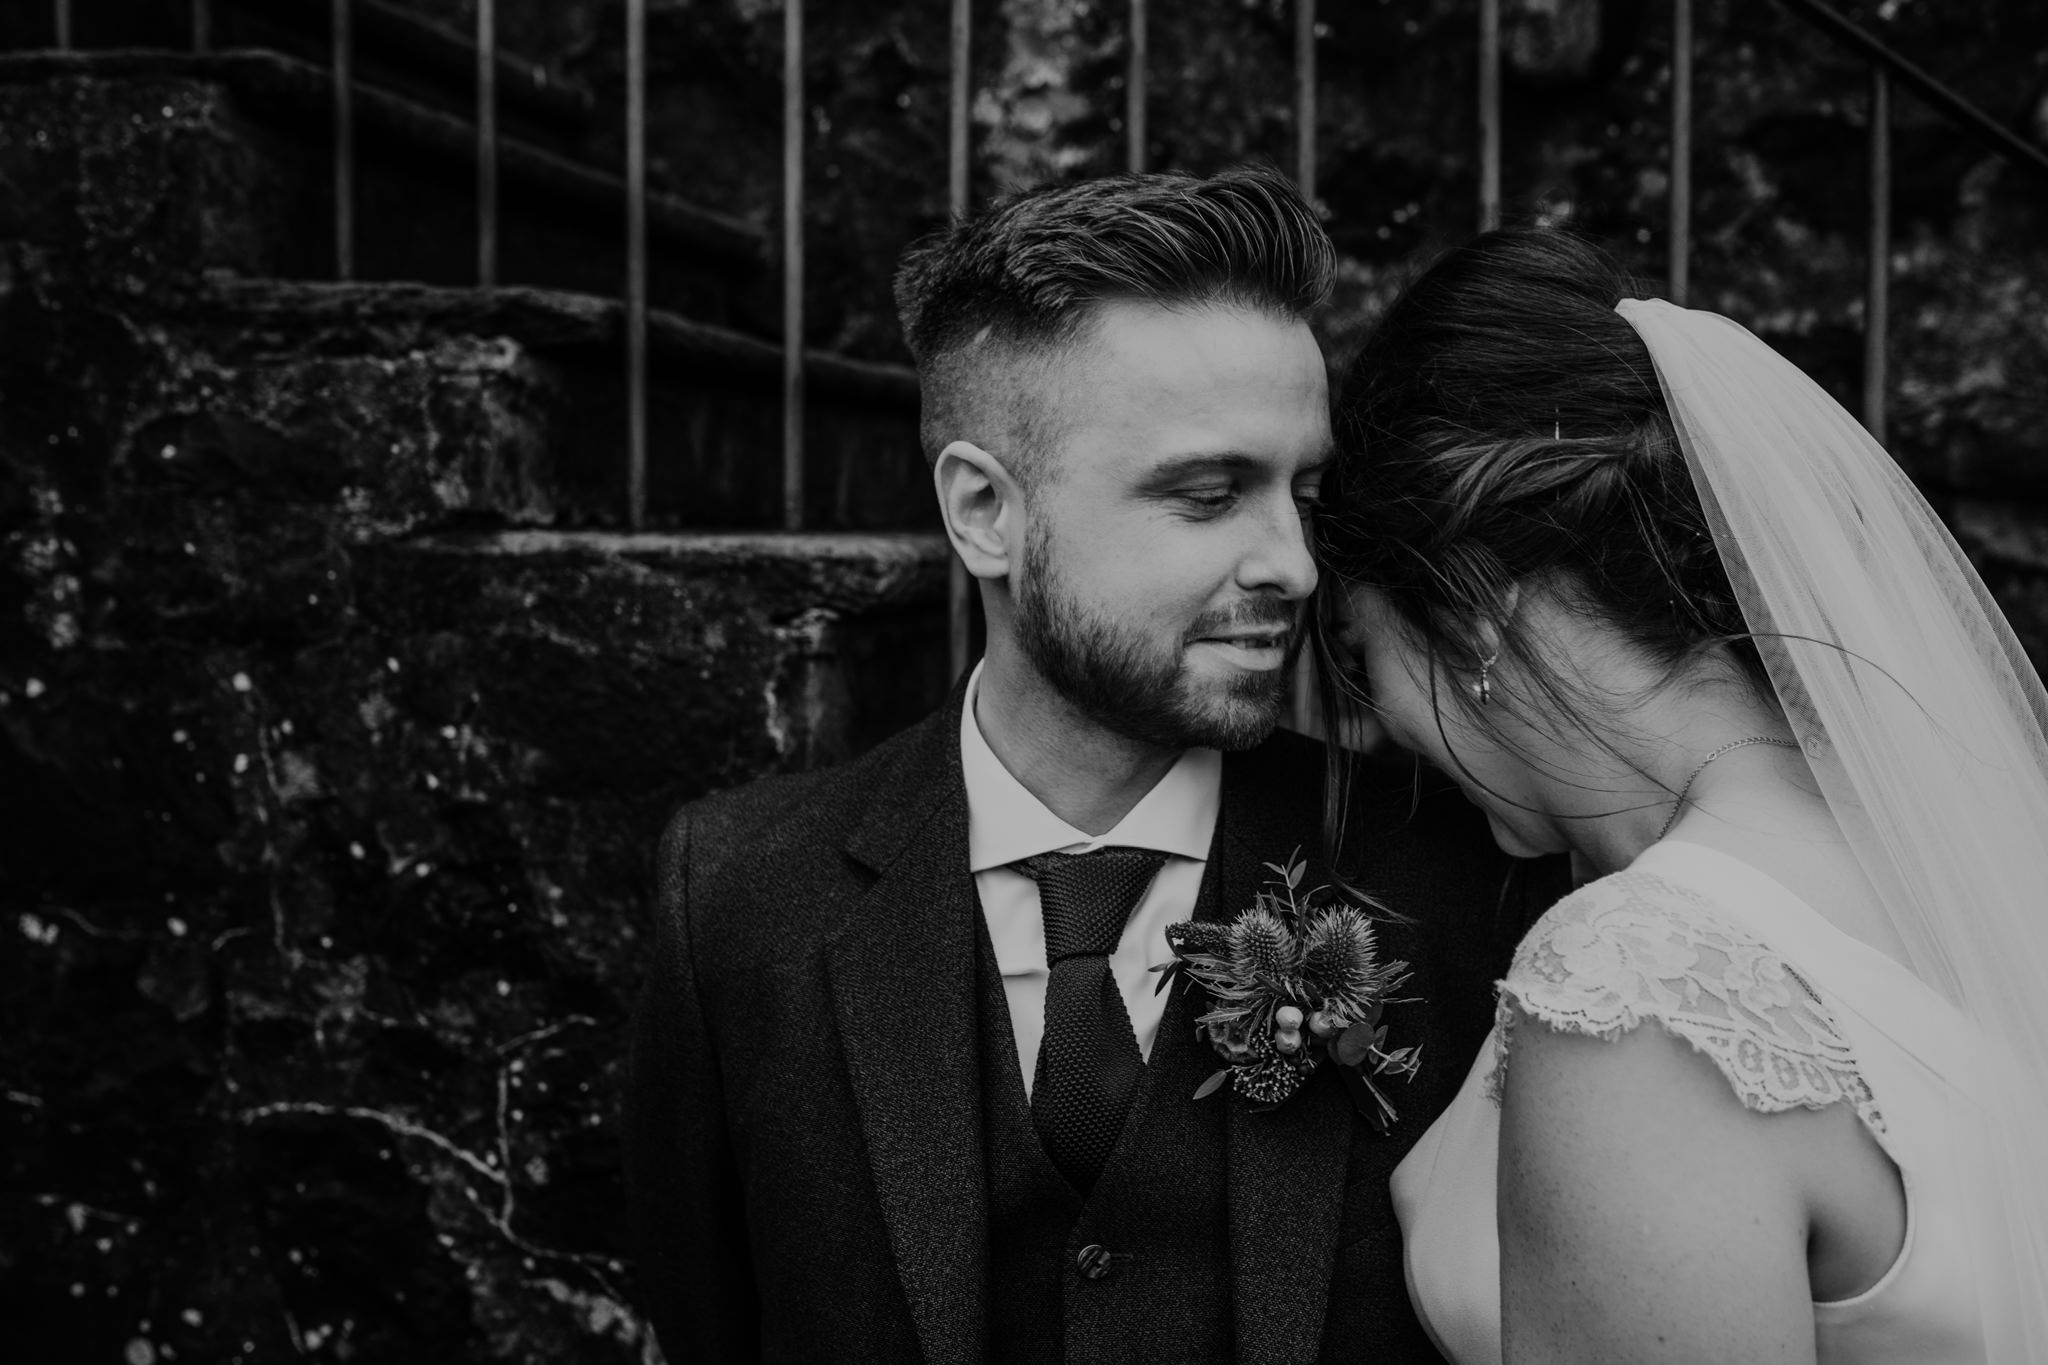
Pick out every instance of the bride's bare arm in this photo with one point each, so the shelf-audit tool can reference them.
(1645, 1214)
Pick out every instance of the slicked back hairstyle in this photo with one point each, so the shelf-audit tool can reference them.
(990, 303)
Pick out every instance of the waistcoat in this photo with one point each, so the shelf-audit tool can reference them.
(1140, 1267)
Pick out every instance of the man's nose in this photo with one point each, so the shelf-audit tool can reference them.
(1278, 560)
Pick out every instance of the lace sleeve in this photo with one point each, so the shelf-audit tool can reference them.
(1633, 947)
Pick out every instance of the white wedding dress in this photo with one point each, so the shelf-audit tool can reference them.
(1793, 1012)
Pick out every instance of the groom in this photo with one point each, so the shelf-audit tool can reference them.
(866, 1121)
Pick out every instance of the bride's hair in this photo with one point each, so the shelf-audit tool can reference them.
(1503, 426)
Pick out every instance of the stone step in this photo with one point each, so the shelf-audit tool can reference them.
(396, 48)
(148, 165)
(594, 666)
(412, 55)
(714, 398)
(423, 407)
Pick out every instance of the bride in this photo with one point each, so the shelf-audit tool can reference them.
(1769, 1086)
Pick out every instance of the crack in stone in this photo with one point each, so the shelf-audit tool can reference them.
(401, 1126)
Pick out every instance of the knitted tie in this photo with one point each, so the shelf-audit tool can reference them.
(1088, 1062)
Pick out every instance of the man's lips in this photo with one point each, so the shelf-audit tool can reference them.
(1266, 639)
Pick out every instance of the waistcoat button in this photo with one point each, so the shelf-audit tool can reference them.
(1093, 1261)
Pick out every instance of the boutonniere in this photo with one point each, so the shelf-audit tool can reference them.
(1295, 979)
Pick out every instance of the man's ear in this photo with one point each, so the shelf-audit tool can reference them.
(982, 506)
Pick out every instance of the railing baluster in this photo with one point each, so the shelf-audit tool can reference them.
(1681, 151)
(1489, 115)
(959, 98)
(487, 142)
(1877, 290)
(636, 263)
(343, 56)
(1134, 88)
(61, 16)
(202, 25)
(1305, 98)
(959, 586)
(1302, 714)
(792, 264)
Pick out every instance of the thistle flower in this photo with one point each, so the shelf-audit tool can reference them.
(1340, 961)
(1261, 948)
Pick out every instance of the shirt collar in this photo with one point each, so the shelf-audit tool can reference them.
(1006, 823)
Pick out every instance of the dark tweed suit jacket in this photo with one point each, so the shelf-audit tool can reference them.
(804, 1142)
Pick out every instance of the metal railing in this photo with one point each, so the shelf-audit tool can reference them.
(1886, 68)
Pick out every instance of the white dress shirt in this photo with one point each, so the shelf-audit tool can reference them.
(1006, 823)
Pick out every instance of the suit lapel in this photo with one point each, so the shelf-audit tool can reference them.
(1286, 1165)
(902, 972)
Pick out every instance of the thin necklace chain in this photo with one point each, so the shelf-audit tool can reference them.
(1727, 748)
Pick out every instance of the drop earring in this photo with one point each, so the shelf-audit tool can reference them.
(1483, 689)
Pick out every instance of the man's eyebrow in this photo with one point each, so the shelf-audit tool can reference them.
(1228, 462)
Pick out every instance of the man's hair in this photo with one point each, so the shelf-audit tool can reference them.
(990, 302)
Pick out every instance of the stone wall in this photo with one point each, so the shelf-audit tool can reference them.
(330, 773)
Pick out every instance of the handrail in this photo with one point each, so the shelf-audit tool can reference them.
(1944, 100)
(1885, 67)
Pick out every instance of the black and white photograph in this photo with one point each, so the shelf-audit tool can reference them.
(924, 682)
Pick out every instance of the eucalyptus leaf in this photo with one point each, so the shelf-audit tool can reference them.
(1212, 1085)
(1352, 1044)
(1295, 874)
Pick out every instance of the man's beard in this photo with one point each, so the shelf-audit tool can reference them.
(1114, 676)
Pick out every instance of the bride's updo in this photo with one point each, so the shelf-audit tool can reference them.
(1503, 426)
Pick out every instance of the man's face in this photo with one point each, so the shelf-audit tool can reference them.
(1166, 563)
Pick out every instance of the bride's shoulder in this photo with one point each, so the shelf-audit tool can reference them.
(1637, 948)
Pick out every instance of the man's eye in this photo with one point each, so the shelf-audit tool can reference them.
(1208, 499)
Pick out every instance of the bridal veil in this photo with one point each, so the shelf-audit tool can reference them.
(1923, 721)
